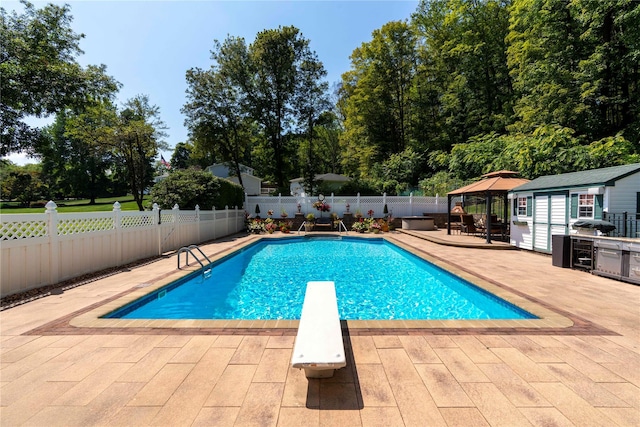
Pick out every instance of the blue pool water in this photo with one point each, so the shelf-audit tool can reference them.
(374, 280)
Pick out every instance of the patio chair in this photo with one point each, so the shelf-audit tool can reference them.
(325, 223)
(468, 225)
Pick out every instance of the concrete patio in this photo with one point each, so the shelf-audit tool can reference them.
(588, 373)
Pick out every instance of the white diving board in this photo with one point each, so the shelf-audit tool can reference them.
(319, 348)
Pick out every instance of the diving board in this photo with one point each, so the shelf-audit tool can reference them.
(319, 348)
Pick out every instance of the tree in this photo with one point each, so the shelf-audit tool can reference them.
(310, 102)
(377, 97)
(40, 75)
(137, 141)
(22, 183)
(575, 64)
(463, 80)
(216, 119)
(181, 158)
(73, 159)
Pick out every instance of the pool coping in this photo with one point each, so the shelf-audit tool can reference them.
(548, 319)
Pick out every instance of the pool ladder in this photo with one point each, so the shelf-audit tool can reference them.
(206, 272)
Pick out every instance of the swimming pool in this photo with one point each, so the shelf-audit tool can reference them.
(375, 280)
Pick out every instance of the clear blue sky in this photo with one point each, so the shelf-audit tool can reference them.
(149, 45)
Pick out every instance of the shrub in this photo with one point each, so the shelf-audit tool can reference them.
(189, 187)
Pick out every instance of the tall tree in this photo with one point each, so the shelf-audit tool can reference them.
(263, 78)
(310, 101)
(73, 160)
(575, 64)
(181, 158)
(377, 96)
(137, 140)
(463, 58)
(216, 119)
(40, 75)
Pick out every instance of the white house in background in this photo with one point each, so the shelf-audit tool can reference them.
(331, 181)
(251, 182)
(551, 204)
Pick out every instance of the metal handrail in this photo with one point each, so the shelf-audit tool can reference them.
(301, 225)
(189, 250)
(201, 253)
(341, 225)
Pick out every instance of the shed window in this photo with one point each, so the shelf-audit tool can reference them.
(522, 206)
(585, 206)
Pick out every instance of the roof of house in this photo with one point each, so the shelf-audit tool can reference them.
(494, 182)
(333, 177)
(588, 178)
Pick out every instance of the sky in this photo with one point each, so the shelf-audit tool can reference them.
(149, 45)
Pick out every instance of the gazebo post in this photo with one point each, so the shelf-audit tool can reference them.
(448, 214)
(488, 224)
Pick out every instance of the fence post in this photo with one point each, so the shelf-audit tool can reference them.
(214, 222)
(358, 203)
(177, 227)
(226, 210)
(198, 222)
(411, 204)
(384, 202)
(117, 226)
(54, 245)
(157, 219)
(624, 225)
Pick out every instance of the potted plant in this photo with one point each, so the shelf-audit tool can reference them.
(375, 227)
(255, 226)
(270, 226)
(335, 220)
(285, 226)
(359, 227)
(310, 219)
(283, 213)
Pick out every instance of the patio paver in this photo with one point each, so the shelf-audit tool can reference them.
(54, 373)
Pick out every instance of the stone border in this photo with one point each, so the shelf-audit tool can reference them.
(551, 319)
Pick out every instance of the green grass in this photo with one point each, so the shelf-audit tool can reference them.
(102, 205)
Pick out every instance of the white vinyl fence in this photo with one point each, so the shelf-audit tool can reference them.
(397, 206)
(43, 249)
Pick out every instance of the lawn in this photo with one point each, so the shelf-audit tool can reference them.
(126, 204)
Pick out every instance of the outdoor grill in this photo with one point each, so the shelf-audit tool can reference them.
(590, 226)
(631, 262)
(608, 258)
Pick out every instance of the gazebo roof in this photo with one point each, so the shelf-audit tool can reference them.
(498, 182)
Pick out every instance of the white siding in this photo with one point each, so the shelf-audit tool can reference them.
(522, 233)
(622, 196)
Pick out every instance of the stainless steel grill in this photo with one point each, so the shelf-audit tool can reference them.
(631, 262)
(608, 258)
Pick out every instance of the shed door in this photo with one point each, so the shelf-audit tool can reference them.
(541, 223)
(550, 217)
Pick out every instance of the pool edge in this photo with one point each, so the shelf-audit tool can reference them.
(547, 318)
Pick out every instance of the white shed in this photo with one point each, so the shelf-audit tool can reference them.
(551, 204)
(331, 180)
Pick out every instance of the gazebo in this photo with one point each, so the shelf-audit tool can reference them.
(492, 185)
